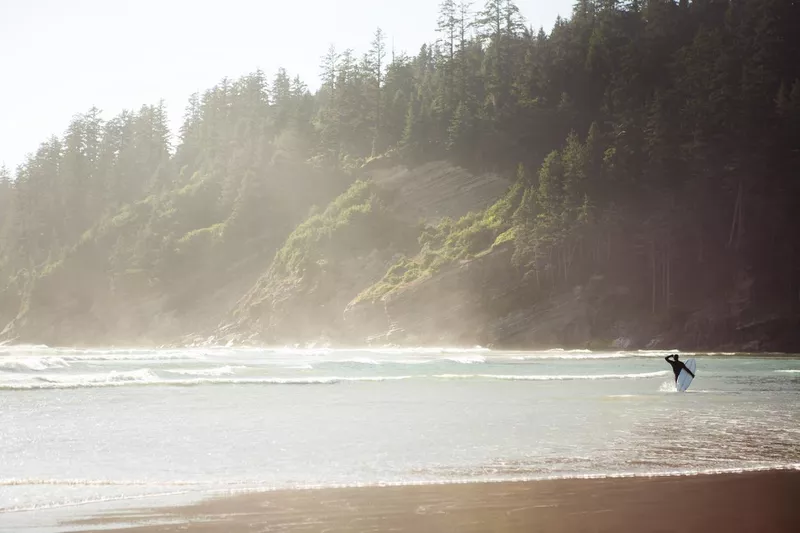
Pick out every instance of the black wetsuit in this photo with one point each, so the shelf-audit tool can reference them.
(677, 366)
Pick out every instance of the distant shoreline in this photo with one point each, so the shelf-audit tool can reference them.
(732, 502)
(32, 347)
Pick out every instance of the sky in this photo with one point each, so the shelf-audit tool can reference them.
(61, 57)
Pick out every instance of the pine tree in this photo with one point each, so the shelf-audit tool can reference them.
(498, 23)
(328, 68)
(281, 96)
(462, 131)
(447, 27)
(376, 56)
(6, 192)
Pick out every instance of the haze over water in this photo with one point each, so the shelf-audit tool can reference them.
(87, 430)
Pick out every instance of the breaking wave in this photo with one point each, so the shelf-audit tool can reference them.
(562, 377)
(97, 383)
(217, 371)
(353, 361)
(26, 364)
(146, 377)
(467, 359)
(572, 355)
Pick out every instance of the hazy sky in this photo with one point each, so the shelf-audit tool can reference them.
(60, 57)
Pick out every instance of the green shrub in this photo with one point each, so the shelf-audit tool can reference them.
(356, 220)
(449, 241)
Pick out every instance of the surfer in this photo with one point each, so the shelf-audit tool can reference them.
(677, 366)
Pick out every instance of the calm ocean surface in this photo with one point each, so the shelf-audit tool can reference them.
(84, 431)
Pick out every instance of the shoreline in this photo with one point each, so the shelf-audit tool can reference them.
(749, 501)
(423, 349)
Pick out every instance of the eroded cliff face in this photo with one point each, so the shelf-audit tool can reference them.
(319, 301)
(302, 309)
(437, 190)
(486, 301)
(455, 306)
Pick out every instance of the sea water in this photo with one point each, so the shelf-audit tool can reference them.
(83, 431)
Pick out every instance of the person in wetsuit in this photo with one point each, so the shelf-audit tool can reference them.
(677, 366)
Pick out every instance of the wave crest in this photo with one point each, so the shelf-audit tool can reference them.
(467, 359)
(148, 378)
(562, 377)
(216, 371)
(26, 364)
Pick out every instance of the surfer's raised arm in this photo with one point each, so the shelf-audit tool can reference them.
(676, 365)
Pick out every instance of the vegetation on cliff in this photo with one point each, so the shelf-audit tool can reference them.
(449, 241)
(310, 280)
(660, 131)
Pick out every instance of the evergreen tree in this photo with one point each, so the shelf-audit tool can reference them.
(375, 64)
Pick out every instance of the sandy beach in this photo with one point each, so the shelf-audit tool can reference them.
(750, 502)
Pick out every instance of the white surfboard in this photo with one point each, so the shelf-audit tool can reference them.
(684, 378)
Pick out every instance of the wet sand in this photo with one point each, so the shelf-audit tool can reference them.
(753, 502)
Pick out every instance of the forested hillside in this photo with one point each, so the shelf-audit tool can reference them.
(653, 149)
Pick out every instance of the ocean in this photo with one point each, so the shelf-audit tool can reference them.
(83, 432)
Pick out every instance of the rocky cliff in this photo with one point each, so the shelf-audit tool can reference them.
(409, 255)
(342, 255)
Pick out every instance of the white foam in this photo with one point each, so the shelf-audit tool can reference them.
(136, 356)
(521, 479)
(87, 501)
(572, 356)
(288, 350)
(115, 376)
(659, 353)
(142, 375)
(102, 354)
(18, 482)
(266, 488)
(24, 364)
(354, 360)
(261, 486)
(145, 377)
(790, 371)
(563, 377)
(376, 378)
(416, 361)
(216, 371)
(258, 487)
(467, 359)
(667, 386)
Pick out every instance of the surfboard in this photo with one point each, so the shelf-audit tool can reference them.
(684, 378)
